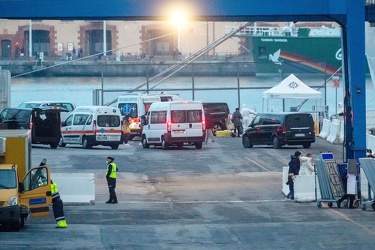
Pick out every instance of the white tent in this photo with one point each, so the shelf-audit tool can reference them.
(291, 88)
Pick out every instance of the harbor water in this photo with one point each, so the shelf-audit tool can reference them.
(232, 90)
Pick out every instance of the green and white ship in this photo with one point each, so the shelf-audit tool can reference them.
(291, 49)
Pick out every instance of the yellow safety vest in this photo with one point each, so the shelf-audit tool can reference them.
(114, 170)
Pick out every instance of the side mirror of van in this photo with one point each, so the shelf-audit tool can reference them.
(63, 123)
(21, 187)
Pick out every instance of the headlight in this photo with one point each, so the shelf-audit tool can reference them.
(13, 201)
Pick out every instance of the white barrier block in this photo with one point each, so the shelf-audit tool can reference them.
(75, 188)
(325, 129)
(370, 142)
(334, 133)
(304, 186)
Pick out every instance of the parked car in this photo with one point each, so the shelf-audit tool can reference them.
(63, 104)
(278, 129)
(44, 123)
(219, 112)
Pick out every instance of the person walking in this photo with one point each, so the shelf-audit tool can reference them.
(209, 126)
(307, 166)
(294, 167)
(126, 129)
(58, 207)
(111, 179)
(237, 121)
(344, 179)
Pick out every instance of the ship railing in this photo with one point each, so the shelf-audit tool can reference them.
(255, 30)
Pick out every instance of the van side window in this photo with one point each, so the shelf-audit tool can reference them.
(194, 116)
(159, 117)
(69, 120)
(178, 116)
(80, 119)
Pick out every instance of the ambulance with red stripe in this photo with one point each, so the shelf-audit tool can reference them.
(91, 126)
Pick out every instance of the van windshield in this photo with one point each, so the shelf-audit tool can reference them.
(7, 179)
(29, 105)
(299, 120)
(108, 120)
(130, 109)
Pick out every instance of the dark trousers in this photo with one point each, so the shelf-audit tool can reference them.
(126, 138)
(58, 209)
(237, 129)
(346, 196)
(291, 188)
(112, 186)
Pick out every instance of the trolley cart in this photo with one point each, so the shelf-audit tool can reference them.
(330, 184)
(368, 167)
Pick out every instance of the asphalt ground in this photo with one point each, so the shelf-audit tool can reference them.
(223, 196)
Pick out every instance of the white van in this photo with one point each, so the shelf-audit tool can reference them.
(173, 124)
(63, 104)
(136, 105)
(92, 125)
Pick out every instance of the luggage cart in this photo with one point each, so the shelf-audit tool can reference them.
(330, 184)
(368, 167)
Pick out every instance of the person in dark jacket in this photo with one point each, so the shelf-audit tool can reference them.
(209, 126)
(294, 166)
(237, 121)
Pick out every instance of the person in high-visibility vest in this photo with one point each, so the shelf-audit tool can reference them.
(111, 179)
(58, 207)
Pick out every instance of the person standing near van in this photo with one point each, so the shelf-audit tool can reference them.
(111, 179)
(209, 126)
(294, 167)
(237, 121)
(126, 129)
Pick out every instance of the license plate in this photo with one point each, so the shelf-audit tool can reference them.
(178, 131)
(102, 138)
(299, 135)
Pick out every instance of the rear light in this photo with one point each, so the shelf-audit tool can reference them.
(203, 125)
(94, 126)
(169, 126)
(281, 129)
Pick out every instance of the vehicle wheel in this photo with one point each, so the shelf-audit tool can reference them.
(86, 144)
(115, 146)
(356, 204)
(330, 204)
(345, 203)
(306, 145)
(319, 204)
(164, 144)
(144, 142)
(364, 208)
(275, 142)
(180, 145)
(54, 145)
(198, 145)
(246, 142)
(22, 224)
(61, 142)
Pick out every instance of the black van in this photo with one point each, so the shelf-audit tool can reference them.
(44, 122)
(278, 129)
(219, 112)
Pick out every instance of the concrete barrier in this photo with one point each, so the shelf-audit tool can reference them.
(370, 142)
(334, 133)
(325, 129)
(75, 188)
(304, 187)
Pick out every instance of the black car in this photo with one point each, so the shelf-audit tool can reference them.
(44, 123)
(278, 129)
(219, 112)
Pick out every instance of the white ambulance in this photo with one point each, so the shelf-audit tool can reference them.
(91, 126)
(175, 123)
(136, 105)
